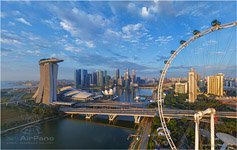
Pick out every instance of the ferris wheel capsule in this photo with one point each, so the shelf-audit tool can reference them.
(182, 42)
(161, 71)
(172, 52)
(165, 61)
(215, 23)
(196, 32)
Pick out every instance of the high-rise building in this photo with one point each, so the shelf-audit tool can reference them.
(181, 88)
(77, 77)
(215, 84)
(192, 85)
(117, 75)
(126, 74)
(47, 88)
(101, 78)
(127, 78)
(84, 78)
(94, 78)
(134, 76)
(89, 79)
(120, 81)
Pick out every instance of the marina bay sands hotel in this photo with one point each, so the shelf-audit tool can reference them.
(47, 88)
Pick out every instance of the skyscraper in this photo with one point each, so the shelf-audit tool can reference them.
(117, 74)
(77, 77)
(84, 78)
(101, 78)
(94, 78)
(215, 84)
(134, 76)
(47, 89)
(127, 78)
(192, 87)
(106, 78)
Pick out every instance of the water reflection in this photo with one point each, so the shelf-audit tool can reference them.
(128, 95)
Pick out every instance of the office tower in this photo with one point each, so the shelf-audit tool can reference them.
(134, 76)
(215, 84)
(98, 75)
(192, 87)
(47, 89)
(139, 80)
(84, 78)
(94, 78)
(117, 75)
(101, 78)
(77, 77)
(181, 88)
(106, 78)
(89, 79)
(127, 78)
(120, 81)
(126, 74)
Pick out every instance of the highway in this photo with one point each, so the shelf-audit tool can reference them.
(144, 112)
(146, 127)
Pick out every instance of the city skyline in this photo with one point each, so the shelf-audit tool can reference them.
(142, 36)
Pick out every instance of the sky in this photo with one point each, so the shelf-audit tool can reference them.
(107, 35)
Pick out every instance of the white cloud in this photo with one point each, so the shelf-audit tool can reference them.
(9, 41)
(217, 53)
(164, 39)
(130, 33)
(70, 48)
(66, 25)
(193, 10)
(22, 20)
(112, 33)
(75, 10)
(11, 23)
(34, 52)
(3, 15)
(145, 12)
(209, 43)
(90, 44)
(81, 24)
(133, 32)
(132, 27)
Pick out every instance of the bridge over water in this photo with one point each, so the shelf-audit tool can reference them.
(137, 113)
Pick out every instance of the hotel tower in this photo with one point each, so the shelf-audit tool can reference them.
(47, 88)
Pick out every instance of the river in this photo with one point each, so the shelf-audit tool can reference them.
(77, 133)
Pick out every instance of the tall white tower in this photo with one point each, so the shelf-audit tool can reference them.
(47, 89)
(192, 85)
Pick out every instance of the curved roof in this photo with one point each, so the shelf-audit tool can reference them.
(82, 95)
(66, 88)
(72, 92)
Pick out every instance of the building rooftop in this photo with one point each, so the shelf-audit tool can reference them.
(50, 60)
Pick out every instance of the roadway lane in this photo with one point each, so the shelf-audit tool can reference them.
(146, 127)
(145, 112)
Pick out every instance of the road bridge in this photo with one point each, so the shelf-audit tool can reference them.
(137, 113)
(113, 104)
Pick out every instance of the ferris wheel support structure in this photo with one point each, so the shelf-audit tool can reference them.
(215, 26)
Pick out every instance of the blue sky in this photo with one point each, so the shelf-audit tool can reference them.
(109, 35)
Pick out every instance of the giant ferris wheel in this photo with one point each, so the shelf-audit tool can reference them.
(215, 26)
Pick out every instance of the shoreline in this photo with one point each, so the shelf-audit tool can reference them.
(32, 123)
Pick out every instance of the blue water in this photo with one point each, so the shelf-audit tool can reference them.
(68, 133)
(10, 84)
